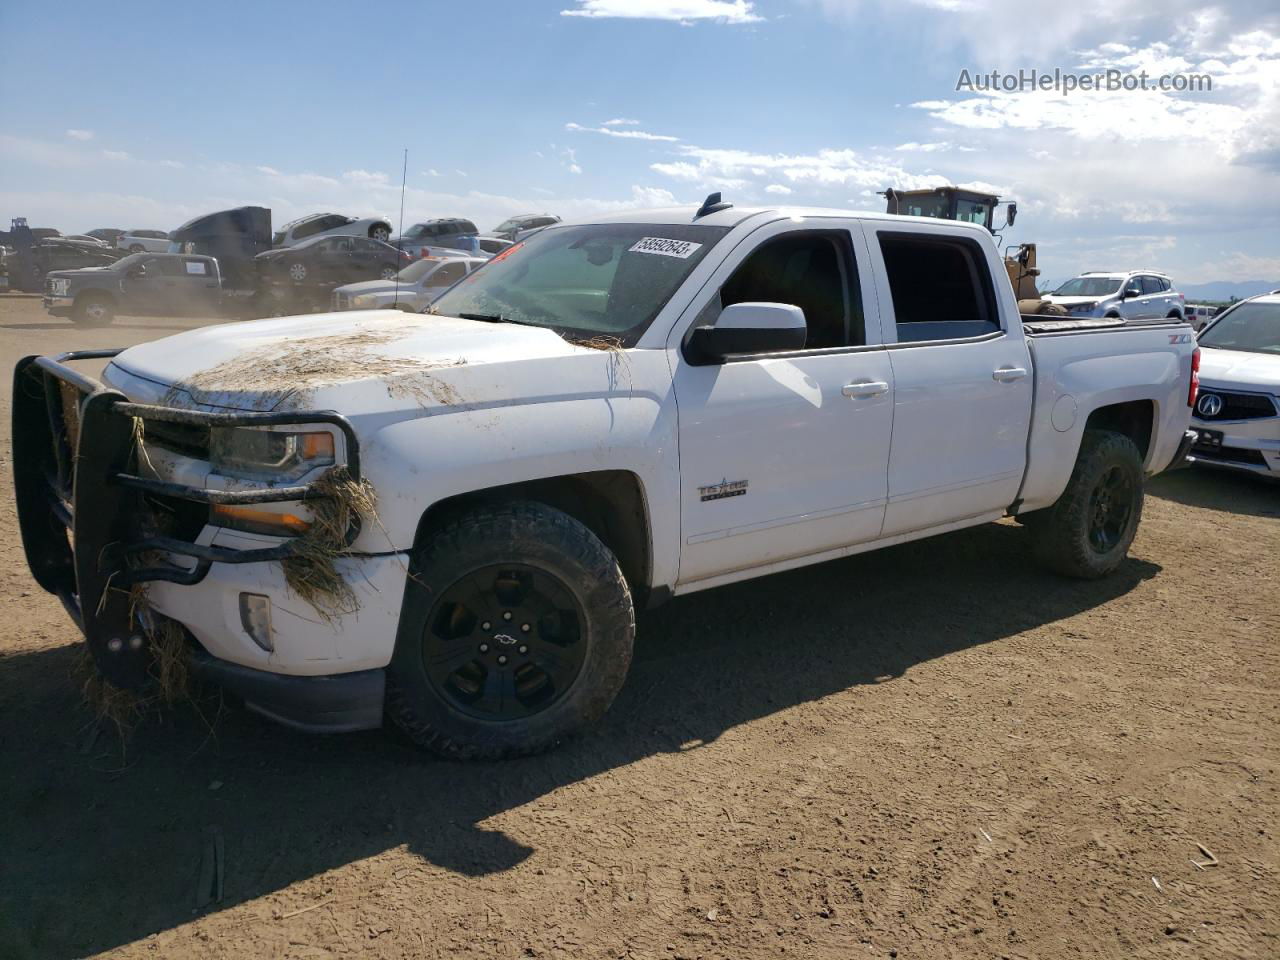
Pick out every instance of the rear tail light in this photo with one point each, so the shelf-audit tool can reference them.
(1194, 391)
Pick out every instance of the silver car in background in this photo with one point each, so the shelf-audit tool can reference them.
(412, 289)
(1237, 414)
(1128, 295)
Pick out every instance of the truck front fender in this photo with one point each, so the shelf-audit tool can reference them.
(420, 463)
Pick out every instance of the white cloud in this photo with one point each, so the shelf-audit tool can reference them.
(913, 147)
(173, 164)
(825, 168)
(269, 171)
(431, 173)
(681, 11)
(622, 134)
(1237, 267)
(365, 177)
(1002, 34)
(621, 122)
(115, 155)
(80, 134)
(778, 190)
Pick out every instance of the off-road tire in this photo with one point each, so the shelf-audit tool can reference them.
(92, 310)
(531, 534)
(1061, 532)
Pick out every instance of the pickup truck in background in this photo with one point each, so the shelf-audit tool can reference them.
(141, 284)
(606, 415)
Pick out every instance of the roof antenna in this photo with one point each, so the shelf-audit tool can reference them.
(711, 205)
(404, 173)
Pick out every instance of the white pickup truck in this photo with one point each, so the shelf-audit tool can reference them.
(606, 415)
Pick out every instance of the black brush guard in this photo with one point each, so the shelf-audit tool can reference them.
(79, 497)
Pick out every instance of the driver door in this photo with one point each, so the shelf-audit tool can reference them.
(784, 456)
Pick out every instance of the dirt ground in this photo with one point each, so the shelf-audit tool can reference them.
(934, 751)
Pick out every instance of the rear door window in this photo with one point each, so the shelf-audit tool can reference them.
(941, 287)
(1151, 285)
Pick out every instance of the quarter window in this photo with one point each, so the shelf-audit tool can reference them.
(941, 287)
(448, 275)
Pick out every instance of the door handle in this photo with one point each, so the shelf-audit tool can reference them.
(865, 388)
(1008, 374)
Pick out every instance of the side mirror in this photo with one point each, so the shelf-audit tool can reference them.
(137, 271)
(746, 328)
(1011, 214)
(1131, 292)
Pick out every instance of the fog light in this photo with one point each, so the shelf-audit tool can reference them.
(255, 617)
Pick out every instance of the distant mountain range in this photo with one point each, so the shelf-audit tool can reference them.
(1226, 289)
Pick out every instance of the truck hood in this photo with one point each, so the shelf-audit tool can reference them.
(81, 271)
(358, 362)
(373, 286)
(1238, 368)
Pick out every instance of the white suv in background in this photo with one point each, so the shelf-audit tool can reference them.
(144, 241)
(1129, 295)
(1237, 414)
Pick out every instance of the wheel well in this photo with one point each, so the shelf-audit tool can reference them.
(87, 296)
(1174, 313)
(1134, 419)
(610, 503)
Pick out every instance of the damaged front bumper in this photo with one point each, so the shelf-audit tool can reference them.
(92, 526)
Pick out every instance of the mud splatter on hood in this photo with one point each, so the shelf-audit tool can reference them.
(295, 362)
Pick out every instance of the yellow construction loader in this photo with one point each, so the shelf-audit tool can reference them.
(955, 203)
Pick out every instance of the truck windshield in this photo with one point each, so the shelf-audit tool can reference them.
(587, 281)
(1088, 287)
(1251, 327)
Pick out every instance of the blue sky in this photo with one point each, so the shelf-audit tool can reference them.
(145, 114)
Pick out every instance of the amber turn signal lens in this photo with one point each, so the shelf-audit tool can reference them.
(317, 446)
(257, 520)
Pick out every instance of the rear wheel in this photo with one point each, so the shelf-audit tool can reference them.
(136, 248)
(380, 231)
(297, 272)
(93, 311)
(1087, 533)
(388, 272)
(517, 632)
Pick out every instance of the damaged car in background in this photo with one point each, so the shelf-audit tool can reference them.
(452, 518)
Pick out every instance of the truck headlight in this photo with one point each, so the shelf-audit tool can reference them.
(268, 454)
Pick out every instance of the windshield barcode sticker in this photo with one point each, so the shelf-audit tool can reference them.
(666, 248)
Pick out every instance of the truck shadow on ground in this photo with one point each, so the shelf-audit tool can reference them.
(1217, 489)
(103, 848)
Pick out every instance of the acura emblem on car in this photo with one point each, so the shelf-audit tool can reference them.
(1210, 405)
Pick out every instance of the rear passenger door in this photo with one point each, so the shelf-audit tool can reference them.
(783, 455)
(962, 380)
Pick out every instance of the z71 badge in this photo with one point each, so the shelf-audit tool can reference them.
(723, 489)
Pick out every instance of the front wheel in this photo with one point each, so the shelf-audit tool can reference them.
(136, 248)
(517, 632)
(388, 273)
(93, 311)
(297, 272)
(1087, 533)
(380, 231)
